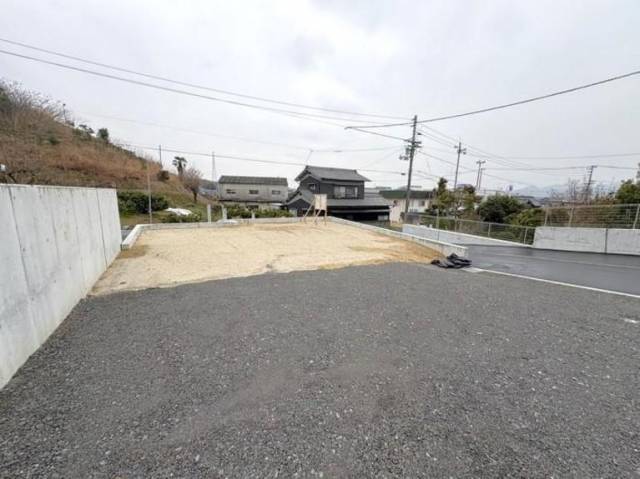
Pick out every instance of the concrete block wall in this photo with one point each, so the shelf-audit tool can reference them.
(56, 242)
(594, 240)
(454, 237)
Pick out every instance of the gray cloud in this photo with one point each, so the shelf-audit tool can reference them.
(393, 57)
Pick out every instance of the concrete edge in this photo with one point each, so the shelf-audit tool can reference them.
(135, 233)
(59, 187)
(132, 237)
(441, 247)
(472, 237)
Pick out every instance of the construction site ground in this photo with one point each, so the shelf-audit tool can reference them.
(161, 258)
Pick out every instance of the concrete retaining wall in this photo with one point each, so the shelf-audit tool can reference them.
(55, 244)
(453, 237)
(594, 240)
(621, 241)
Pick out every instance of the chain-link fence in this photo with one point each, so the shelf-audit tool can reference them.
(593, 216)
(501, 231)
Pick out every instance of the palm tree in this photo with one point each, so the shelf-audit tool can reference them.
(179, 162)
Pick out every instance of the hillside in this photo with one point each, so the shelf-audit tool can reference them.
(39, 146)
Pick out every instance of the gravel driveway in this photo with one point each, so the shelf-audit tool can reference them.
(373, 371)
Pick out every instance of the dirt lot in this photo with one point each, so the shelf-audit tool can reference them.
(168, 257)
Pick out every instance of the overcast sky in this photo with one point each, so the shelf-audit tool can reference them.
(395, 58)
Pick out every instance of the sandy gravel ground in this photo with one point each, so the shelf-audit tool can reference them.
(169, 257)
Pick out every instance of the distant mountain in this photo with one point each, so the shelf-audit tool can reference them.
(540, 191)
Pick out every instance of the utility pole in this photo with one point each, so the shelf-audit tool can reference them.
(160, 156)
(587, 188)
(213, 166)
(479, 163)
(479, 179)
(413, 144)
(459, 149)
(149, 192)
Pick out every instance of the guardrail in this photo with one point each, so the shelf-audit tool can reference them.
(621, 216)
(500, 231)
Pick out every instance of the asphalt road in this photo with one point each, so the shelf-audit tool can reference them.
(393, 370)
(604, 271)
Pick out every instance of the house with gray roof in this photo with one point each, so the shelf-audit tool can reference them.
(255, 192)
(346, 195)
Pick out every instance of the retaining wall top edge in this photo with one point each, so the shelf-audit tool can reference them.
(57, 187)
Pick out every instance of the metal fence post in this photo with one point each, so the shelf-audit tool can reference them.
(635, 221)
(546, 216)
(437, 219)
(489, 231)
(570, 216)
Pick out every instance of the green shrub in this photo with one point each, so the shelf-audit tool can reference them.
(137, 202)
(272, 214)
(174, 218)
(237, 211)
(528, 217)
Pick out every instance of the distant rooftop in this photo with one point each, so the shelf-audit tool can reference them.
(402, 194)
(340, 174)
(253, 180)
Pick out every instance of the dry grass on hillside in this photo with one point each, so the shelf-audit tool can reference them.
(39, 147)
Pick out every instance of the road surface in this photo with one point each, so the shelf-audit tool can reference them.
(394, 370)
(603, 271)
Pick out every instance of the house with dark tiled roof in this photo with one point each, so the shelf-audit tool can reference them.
(263, 192)
(346, 195)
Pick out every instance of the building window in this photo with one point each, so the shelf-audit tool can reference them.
(231, 192)
(276, 192)
(345, 191)
(254, 192)
(422, 203)
(312, 186)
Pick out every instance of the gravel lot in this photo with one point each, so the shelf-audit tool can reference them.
(170, 257)
(372, 371)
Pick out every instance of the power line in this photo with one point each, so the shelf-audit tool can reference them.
(375, 133)
(197, 132)
(306, 116)
(195, 85)
(242, 158)
(239, 138)
(560, 168)
(387, 155)
(568, 157)
(514, 103)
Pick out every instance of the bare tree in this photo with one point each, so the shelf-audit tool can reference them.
(191, 179)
